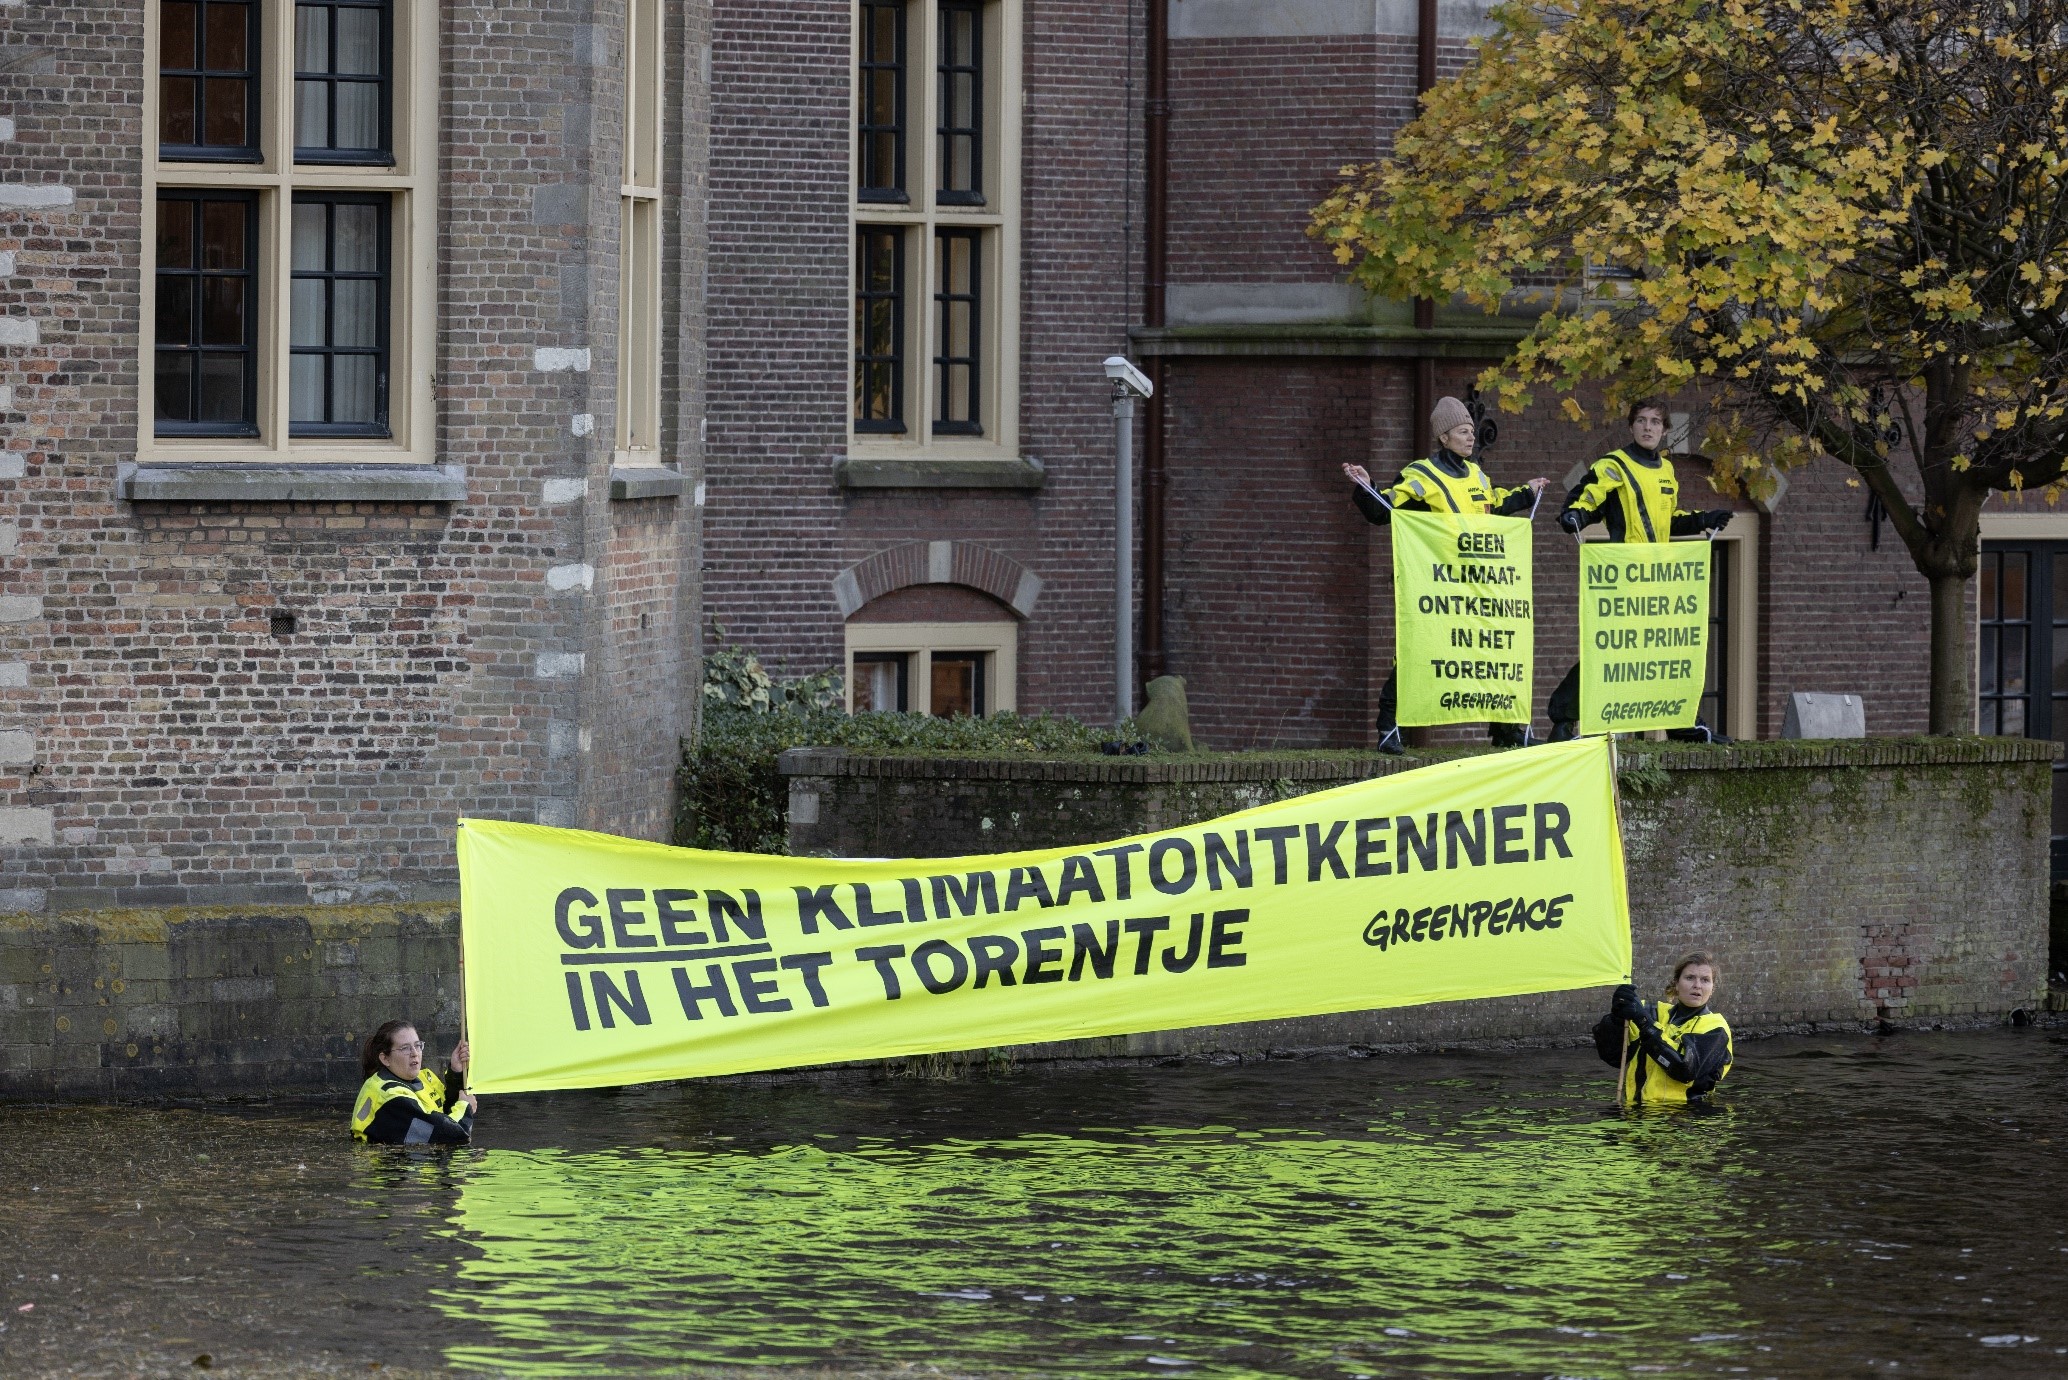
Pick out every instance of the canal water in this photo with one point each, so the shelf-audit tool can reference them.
(1894, 1206)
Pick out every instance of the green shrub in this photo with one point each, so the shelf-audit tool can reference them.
(733, 798)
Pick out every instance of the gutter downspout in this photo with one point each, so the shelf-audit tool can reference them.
(1155, 235)
(1422, 397)
(1425, 308)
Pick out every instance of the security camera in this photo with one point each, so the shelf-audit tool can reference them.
(1125, 375)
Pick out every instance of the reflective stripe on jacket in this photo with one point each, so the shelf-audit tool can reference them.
(1442, 492)
(1702, 1047)
(430, 1103)
(1646, 497)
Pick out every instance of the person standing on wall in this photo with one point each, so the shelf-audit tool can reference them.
(1634, 490)
(1449, 481)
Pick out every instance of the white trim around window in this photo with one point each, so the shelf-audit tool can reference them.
(996, 642)
(929, 224)
(403, 183)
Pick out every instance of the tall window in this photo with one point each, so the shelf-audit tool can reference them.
(339, 370)
(2021, 653)
(879, 329)
(959, 137)
(206, 334)
(957, 298)
(880, 94)
(639, 255)
(342, 76)
(288, 237)
(2004, 650)
(208, 80)
(936, 234)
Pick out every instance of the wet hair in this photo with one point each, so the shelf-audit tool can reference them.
(1657, 405)
(1704, 958)
(382, 1041)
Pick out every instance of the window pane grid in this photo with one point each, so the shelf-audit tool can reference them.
(957, 326)
(206, 321)
(880, 166)
(959, 135)
(2002, 652)
(338, 367)
(879, 330)
(208, 81)
(341, 81)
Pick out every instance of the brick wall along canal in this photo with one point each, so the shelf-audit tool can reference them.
(1863, 1202)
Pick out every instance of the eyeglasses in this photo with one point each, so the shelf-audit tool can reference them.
(417, 1048)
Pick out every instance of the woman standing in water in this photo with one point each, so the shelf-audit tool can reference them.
(403, 1103)
(1673, 1050)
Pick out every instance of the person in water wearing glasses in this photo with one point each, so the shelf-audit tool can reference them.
(1674, 1050)
(402, 1102)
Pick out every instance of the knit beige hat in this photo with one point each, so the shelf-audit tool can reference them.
(1449, 413)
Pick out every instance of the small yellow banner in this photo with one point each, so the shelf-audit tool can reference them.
(1644, 634)
(593, 960)
(1462, 618)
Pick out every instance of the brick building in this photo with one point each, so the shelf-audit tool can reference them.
(339, 495)
(910, 448)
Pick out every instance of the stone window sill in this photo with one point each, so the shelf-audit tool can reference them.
(892, 473)
(244, 483)
(644, 481)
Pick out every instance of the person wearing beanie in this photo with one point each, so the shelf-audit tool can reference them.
(1634, 490)
(1449, 481)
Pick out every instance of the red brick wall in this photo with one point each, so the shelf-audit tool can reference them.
(1278, 595)
(779, 325)
(186, 752)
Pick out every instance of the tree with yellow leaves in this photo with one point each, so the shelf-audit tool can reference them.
(1843, 222)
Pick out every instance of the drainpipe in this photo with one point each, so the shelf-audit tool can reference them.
(1423, 394)
(1155, 234)
(1425, 308)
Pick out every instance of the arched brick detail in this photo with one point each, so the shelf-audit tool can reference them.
(938, 563)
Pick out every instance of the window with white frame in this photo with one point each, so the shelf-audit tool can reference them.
(944, 669)
(936, 242)
(639, 264)
(289, 231)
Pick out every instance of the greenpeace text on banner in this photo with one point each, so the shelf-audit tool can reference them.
(1462, 618)
(594, 960)
(1644, 635)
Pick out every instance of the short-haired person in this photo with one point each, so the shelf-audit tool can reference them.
(1448, 481)
(1675, 1050)
(402, 1102)
(1634, 490)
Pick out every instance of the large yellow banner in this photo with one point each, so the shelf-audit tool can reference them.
(1463, 627)
(1644, 634)
(593, 960)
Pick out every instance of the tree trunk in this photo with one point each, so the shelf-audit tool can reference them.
(1953, 691)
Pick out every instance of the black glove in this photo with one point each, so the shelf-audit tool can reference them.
(1625, 1005)
(1571, 521)
(1716, 519)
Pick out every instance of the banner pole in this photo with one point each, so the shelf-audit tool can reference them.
(463, 971)
(1615, 795)
(1370, 490)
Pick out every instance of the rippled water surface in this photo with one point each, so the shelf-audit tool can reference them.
(1864, 1206)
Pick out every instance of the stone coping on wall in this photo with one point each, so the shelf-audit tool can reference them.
(1351, 765)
